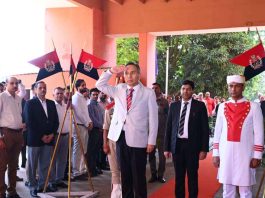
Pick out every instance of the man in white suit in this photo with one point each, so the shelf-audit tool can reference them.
(133, 127)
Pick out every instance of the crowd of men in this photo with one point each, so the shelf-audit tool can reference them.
(120, 127)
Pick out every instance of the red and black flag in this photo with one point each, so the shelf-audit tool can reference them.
(88, 64)
(72, 69)
(253, 60)
(49, 65)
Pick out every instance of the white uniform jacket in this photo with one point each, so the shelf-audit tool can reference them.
(141, 119)
(238, 137)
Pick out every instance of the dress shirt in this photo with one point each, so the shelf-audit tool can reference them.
(44, 105)
(136, 89)
(96, 114)
(80, 109)
(61, 109)
(10, 111)
(186, 123)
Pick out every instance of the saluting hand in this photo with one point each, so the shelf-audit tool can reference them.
(118, 69)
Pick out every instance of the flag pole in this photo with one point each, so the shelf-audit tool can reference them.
(82, 151)
(54, 153)
(167, 65)
(62, 70)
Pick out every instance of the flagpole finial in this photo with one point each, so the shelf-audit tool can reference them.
(53, 44)
(258, 35)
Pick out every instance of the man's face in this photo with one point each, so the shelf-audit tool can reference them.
(102, 96)
(82, 87)
(207, 95)
(41, 90)
(131, 75)
(85, 93)
(186, 92)
(58, 95)
(157, 89)
(94, 95)
(12, 85)
(235, 90)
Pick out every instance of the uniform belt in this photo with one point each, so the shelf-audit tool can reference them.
(80, 124)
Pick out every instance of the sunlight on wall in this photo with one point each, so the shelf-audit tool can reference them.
(22, 35)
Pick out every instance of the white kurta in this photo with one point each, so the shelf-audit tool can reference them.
(235, 156)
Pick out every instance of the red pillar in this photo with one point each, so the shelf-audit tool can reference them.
(147, 48)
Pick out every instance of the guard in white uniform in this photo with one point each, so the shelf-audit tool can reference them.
(238, 141)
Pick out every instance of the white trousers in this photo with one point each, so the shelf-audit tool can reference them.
(229, 191)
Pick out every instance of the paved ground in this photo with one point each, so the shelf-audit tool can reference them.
(101, 183)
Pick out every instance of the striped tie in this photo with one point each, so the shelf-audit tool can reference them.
(182, 119)
(129, 98)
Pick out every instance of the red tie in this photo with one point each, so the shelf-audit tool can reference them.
(129, 98)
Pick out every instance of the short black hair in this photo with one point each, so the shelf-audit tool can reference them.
(94, 90)
(188, 82)
(79, 82)
(157, 84)
(36, 84)
(135, 65)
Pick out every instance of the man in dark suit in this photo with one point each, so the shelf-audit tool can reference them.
(187, 139)
(42, 123)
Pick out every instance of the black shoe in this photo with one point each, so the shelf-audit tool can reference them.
(27, 183)
(34, 193)
(23, 165)
(40, 190)
(19, 179)
(51, 188)
(152, 179)
(106, 168)
(99, 171)
(81, 177)
(161, 179)
(93, 174)
(62, 185)
(13, 196)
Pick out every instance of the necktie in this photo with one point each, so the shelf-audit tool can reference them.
(182, 119)
(129, 98)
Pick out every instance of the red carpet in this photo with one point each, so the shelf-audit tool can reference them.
(208, 184)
